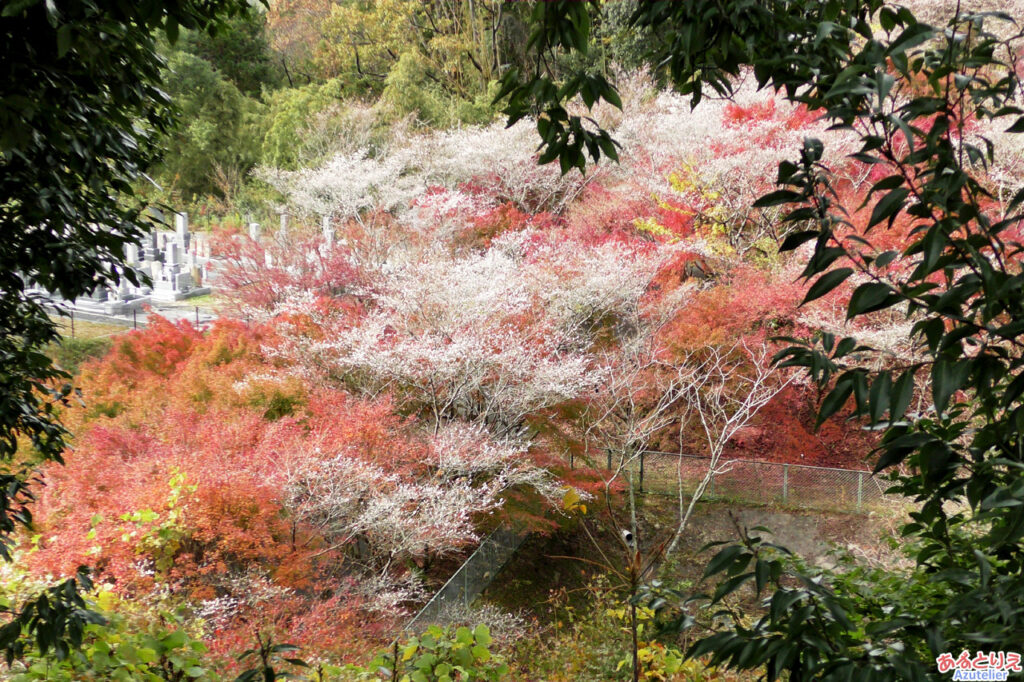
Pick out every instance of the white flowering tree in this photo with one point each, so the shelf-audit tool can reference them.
(699, 398)
(722, 389)
(488, 338)
(497, 158)
(386, 521)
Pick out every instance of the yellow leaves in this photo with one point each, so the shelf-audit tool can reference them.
(106, 600)
(572, 502)
(657, 662)
(686, 181)
(642, 613)
(652, 226)
(681, 183)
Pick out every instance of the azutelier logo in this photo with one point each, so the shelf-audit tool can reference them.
(982, 666)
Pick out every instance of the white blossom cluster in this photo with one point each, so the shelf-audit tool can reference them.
(389, 594)
(219, 611)
(1006, 172)
(384, 516)
(669, 137)
(498, 159)
(502, 160)
(441, 213)
(468, 451)
(353, 500)
(349, 184)
(888, 332)
(490, 337)
(580, 286)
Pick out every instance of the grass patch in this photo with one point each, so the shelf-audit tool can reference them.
(84, 329)
(90, 340)
(204, 301)
(70, 353)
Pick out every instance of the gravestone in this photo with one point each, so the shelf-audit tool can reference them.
(181, 229)
(149, 246)
(172, 255)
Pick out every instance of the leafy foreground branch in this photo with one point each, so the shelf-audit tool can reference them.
(920, 98)
(114, 649)
(81, 115)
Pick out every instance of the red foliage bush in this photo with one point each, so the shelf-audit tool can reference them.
(783, 431)
(260, 274)
(182, 483)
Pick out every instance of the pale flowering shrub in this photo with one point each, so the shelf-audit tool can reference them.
(710, 163)
(1005, 175)
(887, 332)
(506, 627)
(219, 611)
(582, 286)
(441, 213)
(349, 184)
(389, 595)
(254, 588)
(492, 375)
(489, 337)
(350, 499)
(469, 451)
(502, 161)
(384, 519)
(499, 162)
(722, 139)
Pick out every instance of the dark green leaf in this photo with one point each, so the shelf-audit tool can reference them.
(826, 283)
(777, 198)
(869, 297)
(889, 206)
(834, 401)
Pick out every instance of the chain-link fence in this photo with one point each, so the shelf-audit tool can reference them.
(738, 480)
(791, 485)
(473, 576)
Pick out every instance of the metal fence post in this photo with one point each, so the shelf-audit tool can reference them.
(785, 483)
(860, 489)
(641, 471)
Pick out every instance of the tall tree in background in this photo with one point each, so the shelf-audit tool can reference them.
(294, 27)
(81, 110)
(924, 99)
(240, 51)
(461, 42)
(218, 140)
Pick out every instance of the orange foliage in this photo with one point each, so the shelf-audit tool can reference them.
(783, 431)
(750, 302)
(178, 479)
